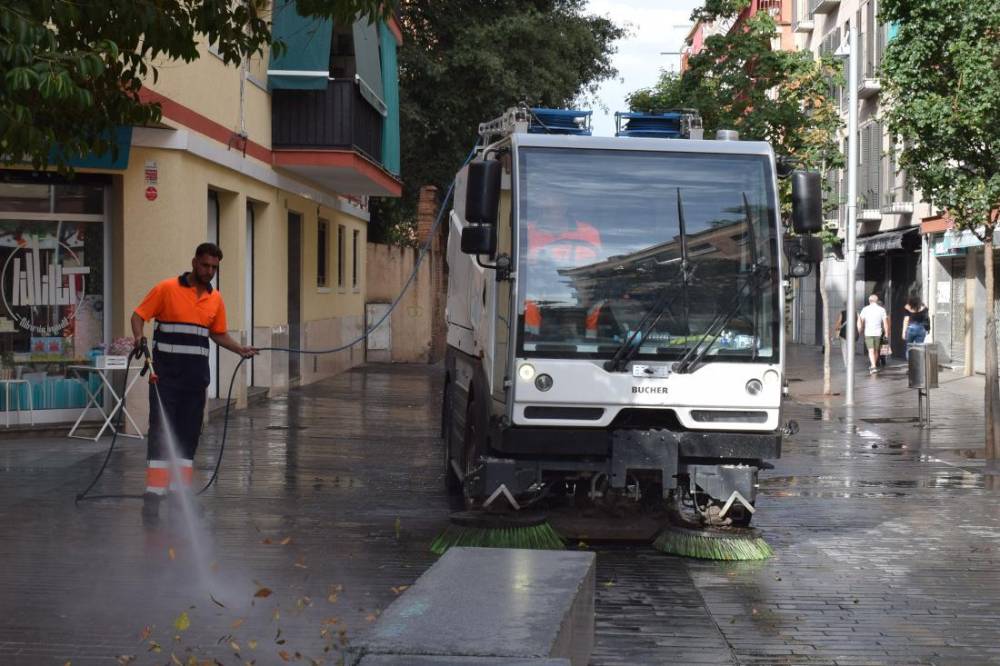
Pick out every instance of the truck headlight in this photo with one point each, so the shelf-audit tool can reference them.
(526, 372)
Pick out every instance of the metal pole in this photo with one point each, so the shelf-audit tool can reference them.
(852, 205)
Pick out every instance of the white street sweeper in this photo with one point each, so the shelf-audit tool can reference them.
(615, 327)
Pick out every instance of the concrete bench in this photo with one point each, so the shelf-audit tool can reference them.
(491, 606)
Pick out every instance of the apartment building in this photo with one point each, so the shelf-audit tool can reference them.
(274, 160)
(906, 247)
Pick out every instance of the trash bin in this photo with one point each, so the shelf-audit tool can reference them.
(923, 366)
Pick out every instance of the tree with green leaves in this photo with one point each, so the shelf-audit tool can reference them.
(71, 70)
(466, 62)
(941, 79)
(784, 97)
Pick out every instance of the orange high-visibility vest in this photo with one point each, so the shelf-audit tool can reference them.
(539, 239)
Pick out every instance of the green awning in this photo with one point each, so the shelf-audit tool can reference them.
(305, 63)
(390, 79)
(368, 63)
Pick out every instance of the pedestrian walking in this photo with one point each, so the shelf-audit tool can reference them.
(873, 325)
(916, 323)
(840, 334)
(188, 312)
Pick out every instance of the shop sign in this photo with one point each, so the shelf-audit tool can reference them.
(30, 287)
(955, 242)
(151, 174)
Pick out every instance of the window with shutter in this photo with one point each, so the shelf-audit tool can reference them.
(876, 164)
(863, 158)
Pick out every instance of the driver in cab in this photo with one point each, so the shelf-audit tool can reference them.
(555, 239)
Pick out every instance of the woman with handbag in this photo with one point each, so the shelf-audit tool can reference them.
(916, 323)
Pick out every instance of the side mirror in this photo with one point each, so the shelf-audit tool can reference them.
(479, 239)
(482, 193)
(802, 252)
(807, 202)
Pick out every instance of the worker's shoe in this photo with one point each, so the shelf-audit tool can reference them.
(151, 506)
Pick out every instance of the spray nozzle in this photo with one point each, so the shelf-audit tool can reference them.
(140, 350)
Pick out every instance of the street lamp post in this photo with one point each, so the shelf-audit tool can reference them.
(852, 202)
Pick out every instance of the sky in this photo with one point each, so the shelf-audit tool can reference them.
(654, 26)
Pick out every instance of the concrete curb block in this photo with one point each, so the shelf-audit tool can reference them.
(489, 606)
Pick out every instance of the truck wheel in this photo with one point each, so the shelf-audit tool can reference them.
(451, 482)
(471, 446)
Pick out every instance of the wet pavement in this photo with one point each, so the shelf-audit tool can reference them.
(885, 539)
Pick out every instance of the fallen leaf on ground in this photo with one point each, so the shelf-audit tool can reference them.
(331, 620)
(267, 542)
(263, 592)
(146, 632)
(397, 527)
(300, 563)
(171, 553)
(125, 659)
(182, 622)
(399, 589)
(235, 646)
(173, 658)
(371, 617)
(283, 655)
(153, 647)
(303, 602)
(287, 540)
(252, 645)
(236, 623)
(217, 602)
(276, 615)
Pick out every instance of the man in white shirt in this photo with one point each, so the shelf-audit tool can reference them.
(873, 323)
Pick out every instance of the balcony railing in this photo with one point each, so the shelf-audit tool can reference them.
(804, 26)
(822, 6)
(898, 201)
(335, 118)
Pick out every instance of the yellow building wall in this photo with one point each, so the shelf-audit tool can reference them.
(212, 88)
(157, 240)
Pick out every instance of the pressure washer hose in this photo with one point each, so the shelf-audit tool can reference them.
(232, 379)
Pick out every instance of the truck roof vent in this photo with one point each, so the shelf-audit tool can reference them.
(559, 121)
(727, 135)
(673, 124)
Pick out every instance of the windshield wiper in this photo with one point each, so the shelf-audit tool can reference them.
(754, 282)
(630, 346)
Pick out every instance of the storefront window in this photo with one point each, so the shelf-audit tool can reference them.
(51, 290)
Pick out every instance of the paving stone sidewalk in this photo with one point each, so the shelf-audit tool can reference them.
(886, 539)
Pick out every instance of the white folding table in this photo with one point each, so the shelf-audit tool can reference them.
(117, 402)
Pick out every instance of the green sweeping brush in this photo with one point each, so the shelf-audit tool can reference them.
(731, 543)
(502, 530)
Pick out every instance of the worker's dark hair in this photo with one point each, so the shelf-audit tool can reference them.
(211, 249)
(914, 302)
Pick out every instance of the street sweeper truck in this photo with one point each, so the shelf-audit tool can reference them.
(614, 363)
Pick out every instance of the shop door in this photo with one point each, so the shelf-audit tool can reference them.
(903, 273)
(294, 293)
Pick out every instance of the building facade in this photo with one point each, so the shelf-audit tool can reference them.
(893, 258)
(274, 160)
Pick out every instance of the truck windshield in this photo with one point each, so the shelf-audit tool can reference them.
(600, 243)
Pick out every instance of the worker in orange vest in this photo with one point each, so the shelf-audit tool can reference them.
(558, 239)
(189, 312)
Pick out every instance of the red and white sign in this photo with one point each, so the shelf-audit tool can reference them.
(151, 193)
